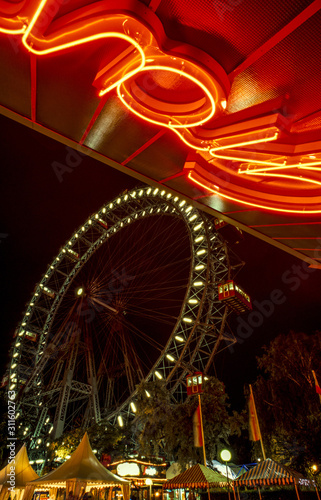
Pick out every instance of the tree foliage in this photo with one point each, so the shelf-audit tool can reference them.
(287, 404)
(103, 437)
(164, 427)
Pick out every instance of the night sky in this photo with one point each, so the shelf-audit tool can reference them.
(40, 211)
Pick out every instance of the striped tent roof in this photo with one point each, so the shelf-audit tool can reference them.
(197, 476)
(269, 472)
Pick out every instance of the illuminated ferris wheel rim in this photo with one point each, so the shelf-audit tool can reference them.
(135, 204)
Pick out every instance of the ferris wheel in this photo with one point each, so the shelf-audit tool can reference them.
(131, 297)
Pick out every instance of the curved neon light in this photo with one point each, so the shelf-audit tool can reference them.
(18, 31)
(196, 147)
(269, 168)
(268, 165)
(104, 27)
(76, 40)
(304, 167)
(285, 176)
(241, 144)
(169, 125)
(249, 203)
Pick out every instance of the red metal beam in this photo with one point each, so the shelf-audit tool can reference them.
(143, 147)
(154, 4)
(179, 174)
(33, 85)
(90, 125)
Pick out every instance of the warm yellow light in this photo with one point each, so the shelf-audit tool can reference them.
(133, 407)
(196, 228)
(226, 455)
(241, 144)
(269, 165)
(128, 469)
(283, 176)
(198, 142)
(13, 32)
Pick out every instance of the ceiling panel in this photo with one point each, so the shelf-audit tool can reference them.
(229, 30)
(283, 71)
(15, 84)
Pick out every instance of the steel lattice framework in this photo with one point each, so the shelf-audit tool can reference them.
(190, 347)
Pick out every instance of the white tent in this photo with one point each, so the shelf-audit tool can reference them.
(223, 469)
(78, 474)
(21, 474)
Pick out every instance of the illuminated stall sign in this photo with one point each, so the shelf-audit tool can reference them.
(128, 469)
(136, 469)
(150, 471)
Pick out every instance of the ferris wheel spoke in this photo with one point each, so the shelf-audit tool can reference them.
(132, 259)
(132, 366)
(142, 335)
(148, 272)
(135, 276)
(151, 314)
(163, 289)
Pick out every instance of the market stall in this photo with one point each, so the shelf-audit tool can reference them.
(81, 474)
(196, 478)
(15, 475)
(270, 473)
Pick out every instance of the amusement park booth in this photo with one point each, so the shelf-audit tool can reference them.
(22, 474)
(269, 473)
(146, 476)
(194, 481)
(81, 474)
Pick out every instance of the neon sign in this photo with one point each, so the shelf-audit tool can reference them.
(180, 88)
(150, 471)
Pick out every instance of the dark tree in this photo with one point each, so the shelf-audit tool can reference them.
(288, 406)
(164, 427)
